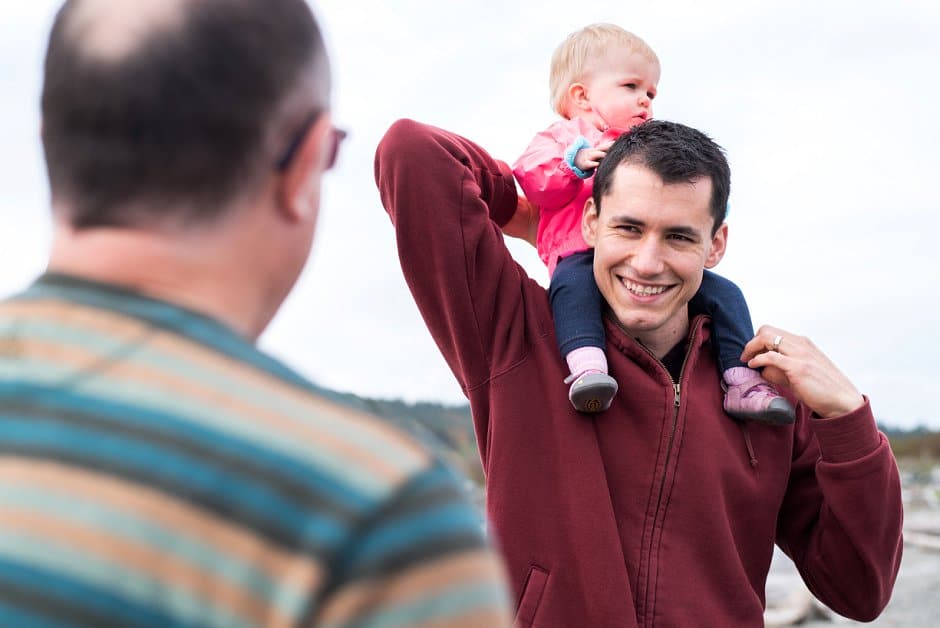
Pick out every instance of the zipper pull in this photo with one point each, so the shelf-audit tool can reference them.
(676, 386)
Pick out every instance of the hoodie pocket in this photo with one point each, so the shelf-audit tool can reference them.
(532, 590)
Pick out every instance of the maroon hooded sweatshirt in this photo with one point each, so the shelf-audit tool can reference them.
(661, 511)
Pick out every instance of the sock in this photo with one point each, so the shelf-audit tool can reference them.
(739, 375)
(585, 359)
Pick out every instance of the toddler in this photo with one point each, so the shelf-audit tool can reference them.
(603, 81)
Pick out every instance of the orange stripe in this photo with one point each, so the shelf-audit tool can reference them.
(132, 374)
(136, 557)
(424, 581)
(491, 618)
(129, 329)
(300, 572)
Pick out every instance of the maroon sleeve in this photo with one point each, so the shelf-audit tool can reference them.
(447, 199)
(841, 518)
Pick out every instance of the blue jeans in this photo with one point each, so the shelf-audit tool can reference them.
(577, 307)
(577, 304)
(721, 299)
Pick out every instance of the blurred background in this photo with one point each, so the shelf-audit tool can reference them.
(828, 112)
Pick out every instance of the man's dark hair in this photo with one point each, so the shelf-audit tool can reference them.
(185, 118)
(675, 152)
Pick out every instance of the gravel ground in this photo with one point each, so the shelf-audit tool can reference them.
(916, 599)
(915, 603)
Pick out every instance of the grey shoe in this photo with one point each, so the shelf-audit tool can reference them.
(591, 392)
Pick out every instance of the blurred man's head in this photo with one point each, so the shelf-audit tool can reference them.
(656, 221)
(166, 111)
(186, 142)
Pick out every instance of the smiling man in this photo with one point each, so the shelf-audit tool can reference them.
(661, 511)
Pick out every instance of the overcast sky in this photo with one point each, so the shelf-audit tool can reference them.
(828, 111)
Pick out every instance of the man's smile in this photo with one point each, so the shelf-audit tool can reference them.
(642, 290)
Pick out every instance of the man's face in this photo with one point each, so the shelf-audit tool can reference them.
(651, 243)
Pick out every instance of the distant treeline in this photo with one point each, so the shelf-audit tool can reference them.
(919, 443)
(448, 430)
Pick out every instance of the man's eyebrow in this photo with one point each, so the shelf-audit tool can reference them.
(683, 230)
(623, 219)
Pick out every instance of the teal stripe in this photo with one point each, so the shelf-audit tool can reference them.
(200, 328)
(179, 473)
(229, 421)
(193, 325)
(418, 529)
(41, 553)
(15, 617)
(153, 535)
(446, 606)
(215, 381)
(243, 454)
(62, 597)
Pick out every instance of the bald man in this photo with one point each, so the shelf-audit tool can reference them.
(156, 468)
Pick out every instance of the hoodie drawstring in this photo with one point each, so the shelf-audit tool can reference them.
(752, 458)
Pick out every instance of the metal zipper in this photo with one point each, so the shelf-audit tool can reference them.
(677, 400)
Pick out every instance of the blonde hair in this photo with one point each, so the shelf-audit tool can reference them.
(572, 58)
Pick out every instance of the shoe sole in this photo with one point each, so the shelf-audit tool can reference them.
(595, 395)
(777, 418)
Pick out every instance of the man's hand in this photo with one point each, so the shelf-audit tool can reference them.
(524, 224)
(588, 158)
(795, 362)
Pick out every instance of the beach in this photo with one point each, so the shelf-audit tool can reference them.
(916, 599)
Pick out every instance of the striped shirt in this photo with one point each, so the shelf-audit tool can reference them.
(156, 469)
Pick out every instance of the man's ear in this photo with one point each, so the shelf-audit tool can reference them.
(718, 244)
(298, 185)
(589, 220)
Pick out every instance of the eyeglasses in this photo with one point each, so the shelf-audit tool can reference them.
(335, 138)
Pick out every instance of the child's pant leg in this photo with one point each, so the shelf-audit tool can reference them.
(721, 299)
(576, 303)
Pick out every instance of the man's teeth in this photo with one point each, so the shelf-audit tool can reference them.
(643, 291)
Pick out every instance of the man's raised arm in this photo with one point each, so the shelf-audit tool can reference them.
(447, 199)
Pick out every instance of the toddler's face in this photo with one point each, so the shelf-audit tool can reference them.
(620, 89)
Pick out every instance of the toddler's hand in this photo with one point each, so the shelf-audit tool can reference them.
(588, 158)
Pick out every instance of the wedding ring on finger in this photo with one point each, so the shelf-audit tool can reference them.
(777, 340)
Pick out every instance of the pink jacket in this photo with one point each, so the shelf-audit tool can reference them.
(548, 181)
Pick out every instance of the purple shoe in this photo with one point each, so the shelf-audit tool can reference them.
(750, 397)
(591, 391)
